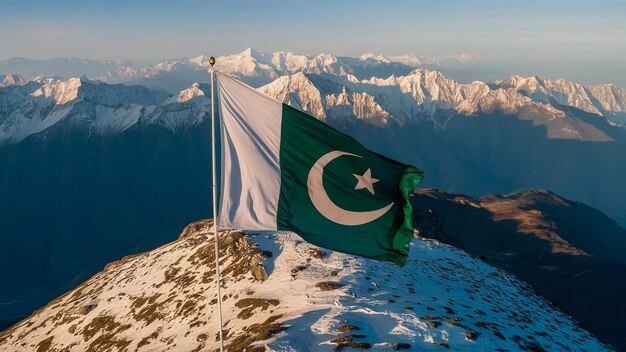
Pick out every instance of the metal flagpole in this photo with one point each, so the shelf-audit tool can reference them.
(215, 234)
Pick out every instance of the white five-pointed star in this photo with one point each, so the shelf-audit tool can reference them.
(366, 181)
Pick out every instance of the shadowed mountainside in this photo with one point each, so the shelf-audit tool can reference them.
(569, 252)
(71, 203)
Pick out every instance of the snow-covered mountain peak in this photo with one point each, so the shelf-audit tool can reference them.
(244, 63)
(352, 78)
(428, 87)
(413, 60)
(324, 98)
(252, 53)
(283, 294)
(61, 91)
(429, 74)
(12, 79)
(81, 103)
(324, 62)
(186, 109)
(256, 55)
(289, 62)
(169, 65)
(372, 56)
(504, 100)
(196, 90)
(518, 82)
(282, 86)
(604, 100)
(419, 76)
(609, 98)
(297, 90)
(202, 60)
(420, 95)
(407, 59)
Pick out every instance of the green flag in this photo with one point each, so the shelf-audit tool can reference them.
(285, 170)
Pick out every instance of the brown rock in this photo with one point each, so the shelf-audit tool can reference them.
(259, 273)
(328, 285)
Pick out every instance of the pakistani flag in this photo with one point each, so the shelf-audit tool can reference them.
(285, 170)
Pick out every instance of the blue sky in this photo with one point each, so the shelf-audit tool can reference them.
(574, 32)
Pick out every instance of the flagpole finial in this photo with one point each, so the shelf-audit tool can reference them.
(212, 61)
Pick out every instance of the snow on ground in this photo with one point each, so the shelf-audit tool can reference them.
(283, 294)
(442, 298)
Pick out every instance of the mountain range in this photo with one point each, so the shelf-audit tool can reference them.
(422, 95)
(551, 114)
(403, 93)
(259, 68)
(93, 171)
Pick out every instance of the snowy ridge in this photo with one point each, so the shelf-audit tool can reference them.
(421, 95)
(196, 90)
(186, 109)
(299, 91)
(286, 295)
(248, 62)
(9, 80)
(97, 107)
(323, 98)
(59, 91)
(328, 90)
(252, 64)
(260, 68)
(416, 61)
(606, 100)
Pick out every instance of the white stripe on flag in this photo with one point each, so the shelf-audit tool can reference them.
(250, 172)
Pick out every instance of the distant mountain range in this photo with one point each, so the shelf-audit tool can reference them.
(92, 171)
(29, 107)
(258, 67)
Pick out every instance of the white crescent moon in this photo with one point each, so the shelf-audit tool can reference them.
(325, 205)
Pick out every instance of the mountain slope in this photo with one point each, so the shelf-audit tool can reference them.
(283, 294)
(424, 95)
(606, 100)
(570, 253)
(92, 106)
(8, 80)
(70, 202)
(473, 138)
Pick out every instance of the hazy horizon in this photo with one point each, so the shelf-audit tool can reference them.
(577, 40)
(479, 68)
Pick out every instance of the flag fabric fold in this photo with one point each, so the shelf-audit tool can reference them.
(282, 169)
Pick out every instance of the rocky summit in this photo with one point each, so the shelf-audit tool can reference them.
(283, 294)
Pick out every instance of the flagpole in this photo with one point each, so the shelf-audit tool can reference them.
(215, 233)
